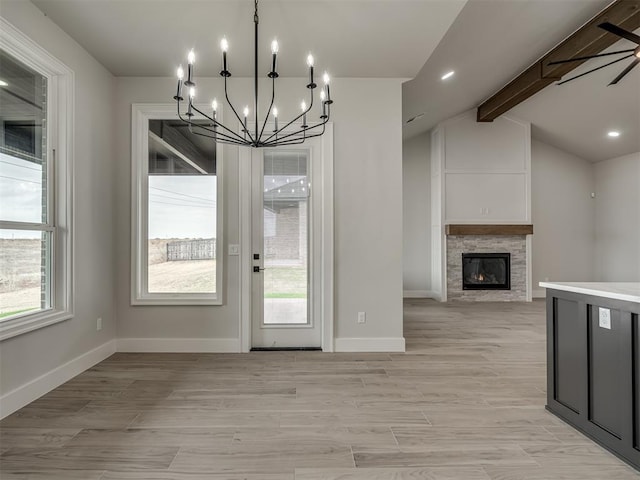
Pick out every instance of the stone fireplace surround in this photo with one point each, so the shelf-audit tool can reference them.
(488, 239)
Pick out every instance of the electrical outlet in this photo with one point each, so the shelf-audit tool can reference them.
(99, 324)
(362, 317)
(604, 318)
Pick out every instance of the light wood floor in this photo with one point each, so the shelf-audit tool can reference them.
(465, 403)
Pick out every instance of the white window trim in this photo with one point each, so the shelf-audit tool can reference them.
(141, 113)
(60, 124)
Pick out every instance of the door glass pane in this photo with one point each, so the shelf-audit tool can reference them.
(182, 210)
(25, 269)
(286, 213)
(23, 113)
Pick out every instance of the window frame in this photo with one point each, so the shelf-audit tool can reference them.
(60, 103)
(141, 113)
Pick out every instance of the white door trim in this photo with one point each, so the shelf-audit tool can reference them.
(325, 184)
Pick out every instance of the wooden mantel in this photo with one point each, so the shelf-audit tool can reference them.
(488, 229)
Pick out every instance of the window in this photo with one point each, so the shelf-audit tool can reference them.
(35, 190)
(177, 211)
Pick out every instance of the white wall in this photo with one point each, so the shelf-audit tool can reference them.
(617, 220)
(486, 165)
(26, 357)
(368, 213)
(563, 216)
(416, 196)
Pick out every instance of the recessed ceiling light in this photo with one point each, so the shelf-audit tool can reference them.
(613, 134)
(447, 75)
(3, 83)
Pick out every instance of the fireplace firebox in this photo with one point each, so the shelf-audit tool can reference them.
(486, 271)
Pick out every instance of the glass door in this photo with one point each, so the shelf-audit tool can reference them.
(281, 250)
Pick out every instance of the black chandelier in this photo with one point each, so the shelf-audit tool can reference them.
(291, 133)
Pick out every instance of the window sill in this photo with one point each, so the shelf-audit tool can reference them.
(176, 300)
(29, 323)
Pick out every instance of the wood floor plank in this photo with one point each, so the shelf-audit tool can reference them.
(175, 475)
(590, 472)
(212, 461)
(36, 437)
(416, 473)
(420, 437)
(165, 437)
(459, 454)
(27, 474)
(88, 458)
(214, 418)
(368, 436)
(98, 419)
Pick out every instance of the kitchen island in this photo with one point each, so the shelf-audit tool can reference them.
(593, 362)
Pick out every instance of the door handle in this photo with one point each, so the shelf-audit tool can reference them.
(257, 269)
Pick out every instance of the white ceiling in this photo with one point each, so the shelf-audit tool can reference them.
(487, 43)
(492, 41)
(350, 38)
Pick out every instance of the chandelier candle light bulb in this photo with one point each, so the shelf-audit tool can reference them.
(291, 133)
(327, 79)
(323, 97)
(179, 90)
(274, 54)
(303, 106)
(246, 114)
(191, 58)
(192, 94)
(310, 64)
(224, 46)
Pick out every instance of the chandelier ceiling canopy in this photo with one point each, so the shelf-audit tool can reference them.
(293, 132)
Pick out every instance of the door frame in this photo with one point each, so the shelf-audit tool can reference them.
(323, 186)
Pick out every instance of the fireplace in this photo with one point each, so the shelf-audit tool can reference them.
(486, 271)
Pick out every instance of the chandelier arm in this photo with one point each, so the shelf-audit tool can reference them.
(295, 119)
(216, 134)
(298, 132)
(226, 96)
(227, 140)
(295, 141)
(235, 134)
(211, 133)
(273, 97)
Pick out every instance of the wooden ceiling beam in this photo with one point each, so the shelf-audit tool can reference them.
(588, 40)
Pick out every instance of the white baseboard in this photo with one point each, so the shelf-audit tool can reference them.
(539, 293)
(418, 294)
(30, 391)
(179, 345)
(392, 344)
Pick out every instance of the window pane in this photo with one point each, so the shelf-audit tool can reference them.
(22, 142)
(286, 261)
(182, 211)
(25, 268)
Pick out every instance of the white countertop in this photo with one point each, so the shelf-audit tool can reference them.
(627, 291)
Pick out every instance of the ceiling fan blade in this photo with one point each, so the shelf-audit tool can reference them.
(621, 32)
(577, 59)
(625, 71)
(597, 68)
